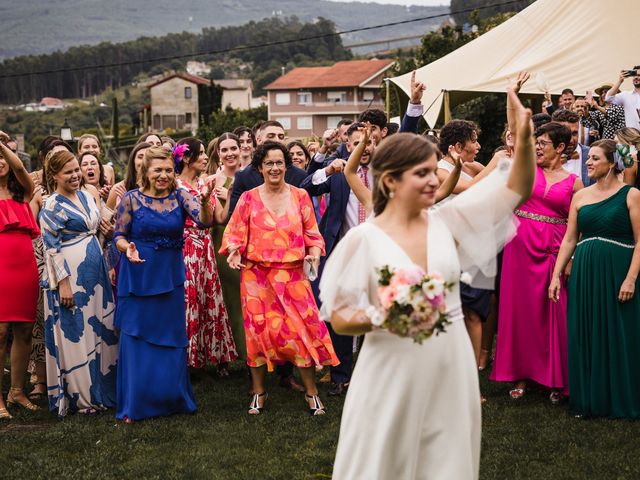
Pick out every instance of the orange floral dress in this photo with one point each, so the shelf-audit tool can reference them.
(281, 319)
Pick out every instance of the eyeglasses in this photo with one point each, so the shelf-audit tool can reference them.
(543, 143)
(270, 165)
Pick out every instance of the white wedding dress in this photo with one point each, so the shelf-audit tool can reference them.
(413, 411)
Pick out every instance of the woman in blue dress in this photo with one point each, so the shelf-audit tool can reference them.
(152, 370)
(81, 345)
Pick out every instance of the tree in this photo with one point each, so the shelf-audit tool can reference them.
(461, 18)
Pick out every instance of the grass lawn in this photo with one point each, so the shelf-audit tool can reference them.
(521, 440)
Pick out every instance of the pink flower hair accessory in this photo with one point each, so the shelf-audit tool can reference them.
(178, 153)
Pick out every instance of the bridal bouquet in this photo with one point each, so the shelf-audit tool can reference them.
(412, 301)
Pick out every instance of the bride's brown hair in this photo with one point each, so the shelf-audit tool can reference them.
(393, 157)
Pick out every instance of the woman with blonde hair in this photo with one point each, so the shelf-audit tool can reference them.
(631, 137)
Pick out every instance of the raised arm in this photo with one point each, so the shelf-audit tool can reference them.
(447, 186)
(523, 170)
(362, 193)
(414, 109)
(615, 88)
(567, 247)
(15, 164)
(511, 109)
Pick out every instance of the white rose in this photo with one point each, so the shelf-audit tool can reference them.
(375, 316)
(466, 278)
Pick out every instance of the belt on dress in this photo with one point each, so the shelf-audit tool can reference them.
(607, 240)
(541, 218)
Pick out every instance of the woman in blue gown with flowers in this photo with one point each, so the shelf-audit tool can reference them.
(152, 370)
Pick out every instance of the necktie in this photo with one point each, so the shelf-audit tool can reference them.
(362, 215)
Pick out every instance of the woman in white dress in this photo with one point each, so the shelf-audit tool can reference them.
(413, 411)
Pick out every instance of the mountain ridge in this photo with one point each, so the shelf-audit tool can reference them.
(62, 24)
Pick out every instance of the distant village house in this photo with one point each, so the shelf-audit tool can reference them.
(308, 100)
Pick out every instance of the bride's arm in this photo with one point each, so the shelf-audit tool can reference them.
(348, 321)
(362, 193)
(523, 171)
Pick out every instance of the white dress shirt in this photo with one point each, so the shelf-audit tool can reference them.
(574, 165)
(351, 213)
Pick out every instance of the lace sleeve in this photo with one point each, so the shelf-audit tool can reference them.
(481, 221)
(124, 217)
(53, 219)
(191, 205)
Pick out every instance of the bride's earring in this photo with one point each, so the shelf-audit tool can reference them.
(391, 194)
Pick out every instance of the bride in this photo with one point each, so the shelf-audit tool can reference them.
(413, 411)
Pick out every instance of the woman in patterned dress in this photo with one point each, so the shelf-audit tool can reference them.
(37, 364)
(79, 337)
(272, 233)
(208, 329)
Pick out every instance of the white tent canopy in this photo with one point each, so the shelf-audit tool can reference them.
(577, 44)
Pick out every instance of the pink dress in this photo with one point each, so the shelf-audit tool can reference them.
(532, 330)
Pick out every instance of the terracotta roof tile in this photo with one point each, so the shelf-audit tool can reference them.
(341, 74)
(186, 76)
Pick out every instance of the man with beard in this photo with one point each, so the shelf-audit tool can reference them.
(629, 100)
(343, 213)
(577, 154)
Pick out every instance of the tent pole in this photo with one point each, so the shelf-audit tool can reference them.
(387, 99)
(447, 107)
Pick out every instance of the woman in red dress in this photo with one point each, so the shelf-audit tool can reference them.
(18, 271)
(208, 328)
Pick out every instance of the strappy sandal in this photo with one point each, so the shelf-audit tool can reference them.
(487, 357)
(517, 393)
(555, 397)
(27, 405)
(317, 408)
(37, 396)
(4, 414)
(254, 406)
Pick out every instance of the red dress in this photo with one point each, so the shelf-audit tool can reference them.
(208, 328)
(18, 270)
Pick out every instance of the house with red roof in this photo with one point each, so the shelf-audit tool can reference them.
(308, 100)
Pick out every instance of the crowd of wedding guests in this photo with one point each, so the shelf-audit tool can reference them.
(113, 293)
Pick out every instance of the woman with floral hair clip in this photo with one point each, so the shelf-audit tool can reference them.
(603, 306)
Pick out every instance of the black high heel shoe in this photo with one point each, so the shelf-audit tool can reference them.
(254, 406)
(317, 408)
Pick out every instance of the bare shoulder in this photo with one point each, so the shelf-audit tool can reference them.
(633, 197)
(475, 167)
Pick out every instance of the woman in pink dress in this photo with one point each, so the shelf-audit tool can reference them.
(208, 328)
(532, 331)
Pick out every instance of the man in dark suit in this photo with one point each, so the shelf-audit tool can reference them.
(343, 213)
(577, 154)
(249, 178)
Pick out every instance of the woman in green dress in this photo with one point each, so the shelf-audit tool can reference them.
(603, 317)
(228, 151)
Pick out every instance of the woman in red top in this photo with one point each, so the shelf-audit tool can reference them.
(18, 271)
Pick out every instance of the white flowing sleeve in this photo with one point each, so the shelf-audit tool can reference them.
(349, 278)
(481, 221)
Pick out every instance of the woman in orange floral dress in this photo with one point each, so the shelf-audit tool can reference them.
(272, 236)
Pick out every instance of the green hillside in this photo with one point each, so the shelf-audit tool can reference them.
(36, 26)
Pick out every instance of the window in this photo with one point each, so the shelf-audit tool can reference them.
(285, 121)
(169, 121)
(367, 95)
(156, 122)
(304, 123)
(337, 97)
(332, 121)
(187, 118)
(187, 92)
(283, 98)
(305, 98)
(180, 122)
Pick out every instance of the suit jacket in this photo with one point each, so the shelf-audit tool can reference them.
(249, 178)
(331, 223)
(585, 155)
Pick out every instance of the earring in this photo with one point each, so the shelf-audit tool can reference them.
(391, 194)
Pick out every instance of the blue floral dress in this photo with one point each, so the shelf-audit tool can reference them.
(81, 345)
(152, 371)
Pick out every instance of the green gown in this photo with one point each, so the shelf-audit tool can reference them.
(230, 281)
(603, 334)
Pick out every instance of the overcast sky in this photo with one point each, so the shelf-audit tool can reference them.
(423, 3)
